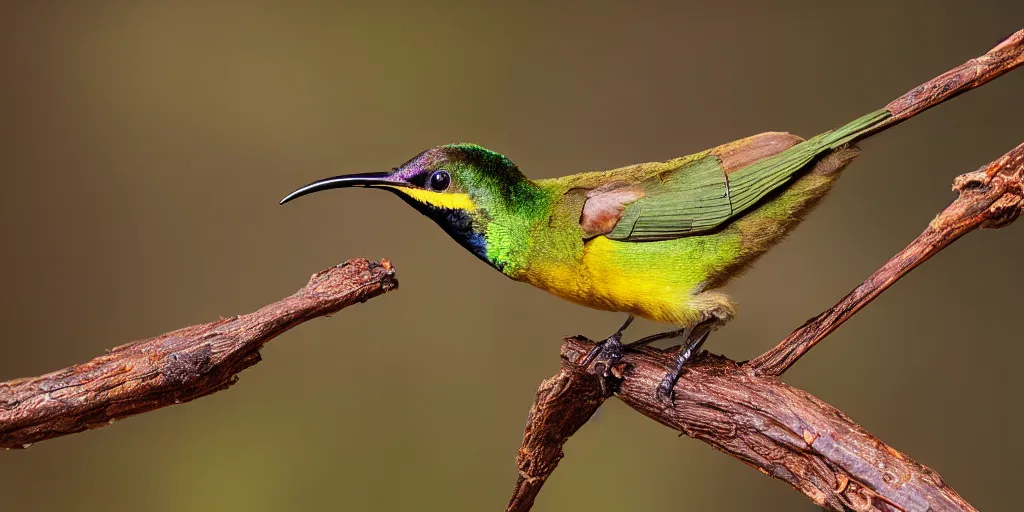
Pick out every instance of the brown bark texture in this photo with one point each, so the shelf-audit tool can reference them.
(174, 367)
(782, 431)
(743, 410)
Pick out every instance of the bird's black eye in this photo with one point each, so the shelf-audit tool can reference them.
(440, 180)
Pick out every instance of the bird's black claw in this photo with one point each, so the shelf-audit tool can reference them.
(663, 393)
(606, 354)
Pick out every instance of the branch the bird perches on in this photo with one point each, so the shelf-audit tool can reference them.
(739, 408)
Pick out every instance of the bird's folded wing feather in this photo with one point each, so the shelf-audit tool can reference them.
(706, 190)
(690, 199)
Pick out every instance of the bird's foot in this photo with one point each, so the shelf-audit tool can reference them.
(663, 394)
(698, 335)
(607, 353)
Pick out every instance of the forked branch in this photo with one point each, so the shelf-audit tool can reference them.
(743, 410)
(989, 198)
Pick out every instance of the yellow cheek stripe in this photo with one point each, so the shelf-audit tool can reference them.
(440, 199)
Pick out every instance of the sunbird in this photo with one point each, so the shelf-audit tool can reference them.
(656, 240)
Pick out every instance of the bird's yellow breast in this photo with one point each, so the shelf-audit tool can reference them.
(654, 280)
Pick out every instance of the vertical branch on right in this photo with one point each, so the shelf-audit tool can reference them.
(990, 197)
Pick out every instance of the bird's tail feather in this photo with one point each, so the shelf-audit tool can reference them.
(752, 183)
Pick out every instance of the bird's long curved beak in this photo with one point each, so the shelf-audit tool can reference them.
(370, 179)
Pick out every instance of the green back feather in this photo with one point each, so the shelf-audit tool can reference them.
(699, 196)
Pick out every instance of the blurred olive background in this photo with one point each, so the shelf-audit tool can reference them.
(145, 146)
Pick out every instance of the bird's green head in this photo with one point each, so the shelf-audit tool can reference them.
(464, 188)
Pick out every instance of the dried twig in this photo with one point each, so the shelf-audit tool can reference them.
(989, 198)
(984, 200)
(564, 403)
(976, 72)
(175, 367)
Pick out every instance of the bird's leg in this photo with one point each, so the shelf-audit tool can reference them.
(609, 351)
(698, 335)
(647, 340)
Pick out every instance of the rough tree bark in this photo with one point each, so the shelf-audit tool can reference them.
(174, 367)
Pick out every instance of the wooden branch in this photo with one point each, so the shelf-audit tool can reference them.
(984, 200)
(1004, 57)
(780, 430)
(175, 367)
(990, 197)
(564, 403)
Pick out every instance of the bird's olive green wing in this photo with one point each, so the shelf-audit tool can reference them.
(680, 202)
(708, 190)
